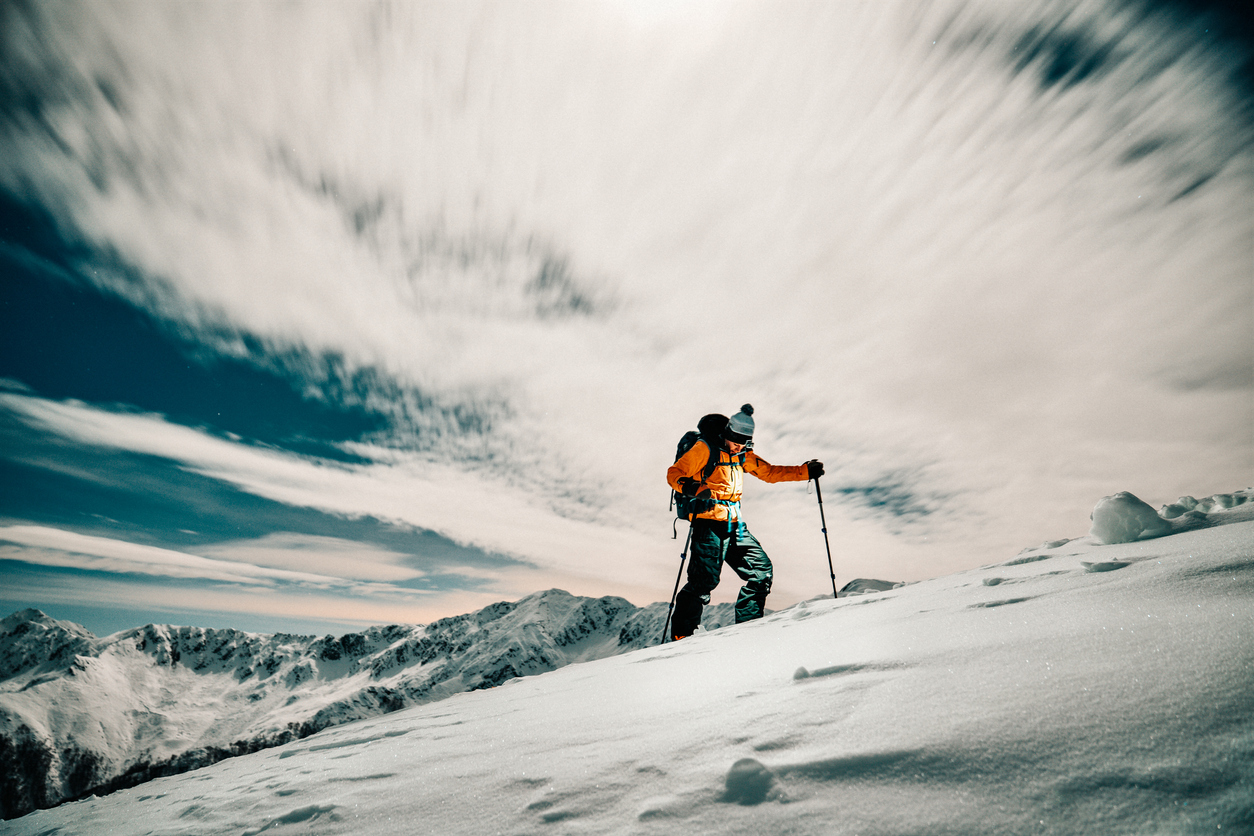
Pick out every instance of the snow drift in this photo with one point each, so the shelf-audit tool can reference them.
(1124, 518)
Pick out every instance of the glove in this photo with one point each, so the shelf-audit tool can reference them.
(693, 488)
(816, 468)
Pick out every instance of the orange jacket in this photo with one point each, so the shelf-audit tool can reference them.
(727, 481)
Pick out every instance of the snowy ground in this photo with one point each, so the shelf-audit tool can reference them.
(1078, 688)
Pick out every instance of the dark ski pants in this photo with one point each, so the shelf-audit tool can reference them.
(713, 544)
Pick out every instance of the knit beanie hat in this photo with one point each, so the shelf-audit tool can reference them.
(740, 427)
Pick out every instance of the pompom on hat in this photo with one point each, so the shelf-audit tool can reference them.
(740, 426)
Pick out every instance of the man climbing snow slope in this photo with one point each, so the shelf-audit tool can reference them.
(719, 535)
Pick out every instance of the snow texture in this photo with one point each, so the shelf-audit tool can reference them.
(1034, 695)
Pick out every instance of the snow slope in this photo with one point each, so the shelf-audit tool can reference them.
(1077, 688)
(78, 713)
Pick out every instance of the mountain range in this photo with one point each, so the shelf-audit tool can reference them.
(82, 715)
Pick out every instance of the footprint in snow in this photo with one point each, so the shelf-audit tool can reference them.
(1104, 565)
(983, 605)
(836, 670)
(311, 813)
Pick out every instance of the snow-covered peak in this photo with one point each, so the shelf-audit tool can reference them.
(31, 639)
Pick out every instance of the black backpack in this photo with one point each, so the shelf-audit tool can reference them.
(710, 430)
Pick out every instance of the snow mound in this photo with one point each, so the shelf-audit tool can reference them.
(748, 782)
(1124, 518)
(1219, 502)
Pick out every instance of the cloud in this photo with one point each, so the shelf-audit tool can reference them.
(264, 578)
(272, 609)
(54, 547)
(407, 489)
(324, 555)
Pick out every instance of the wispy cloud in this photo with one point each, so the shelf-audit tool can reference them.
(328, 555)
(276, 608)
(54, 547)
(407, 489)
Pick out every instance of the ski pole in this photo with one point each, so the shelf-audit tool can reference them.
(823, 517)
(666, 631)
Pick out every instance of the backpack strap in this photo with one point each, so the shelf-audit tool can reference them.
(712, 462)
(715, 462)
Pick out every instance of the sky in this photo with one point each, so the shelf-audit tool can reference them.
(320, 315)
